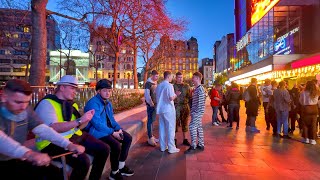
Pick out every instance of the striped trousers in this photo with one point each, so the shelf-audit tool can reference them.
(196, 130)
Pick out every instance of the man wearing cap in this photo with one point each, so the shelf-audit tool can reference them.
(17, 118)
(103, 126)
(61, 113)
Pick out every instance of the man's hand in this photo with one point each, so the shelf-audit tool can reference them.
(77, 149)
(117, 135)
(39, 159)
(87, 116)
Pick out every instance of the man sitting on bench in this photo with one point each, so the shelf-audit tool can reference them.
(16, 120)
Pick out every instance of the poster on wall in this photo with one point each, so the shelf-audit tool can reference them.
(259, 8)
(285, 44)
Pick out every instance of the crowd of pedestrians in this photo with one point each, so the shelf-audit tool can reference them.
(59, 127)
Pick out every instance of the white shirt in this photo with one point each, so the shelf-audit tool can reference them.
(164, 91)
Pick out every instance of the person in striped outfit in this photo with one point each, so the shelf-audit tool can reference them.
(197, 111)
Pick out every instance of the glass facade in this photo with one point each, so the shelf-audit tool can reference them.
(278, 32)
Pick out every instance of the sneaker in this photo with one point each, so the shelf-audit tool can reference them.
(305, 140)
(125, 171)
(255, 130)
(176, 150)
(215, 124)
(200, 148)
(191, 150)
(155, 139)
(313, 142)
(186, 142)
(151, 141)
(117, 176)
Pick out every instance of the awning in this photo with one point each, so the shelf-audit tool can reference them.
(307, 61)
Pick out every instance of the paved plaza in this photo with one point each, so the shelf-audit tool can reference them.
(229, 154)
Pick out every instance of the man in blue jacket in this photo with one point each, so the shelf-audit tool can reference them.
(103, 126)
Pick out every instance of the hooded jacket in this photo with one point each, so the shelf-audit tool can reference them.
(150, 92)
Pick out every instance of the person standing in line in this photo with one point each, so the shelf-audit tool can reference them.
(17, 119)
(181, 104)
(150, 98)
(270, 108)
(215, 103)
(104, 127)
(295, 106)
(265, 90)
(252, 105)
(281, 104)
(61, 113)
(309, 112)
(233, 96)
(222, 104)
(197, 111)
(167, 114)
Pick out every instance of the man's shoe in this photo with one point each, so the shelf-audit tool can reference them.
(200, 148)
(186, 142)
(313, 142)
(125, 171)
(215, 124)
(305, 140)
(151, 141)
(191, 150)
(117, 176)
(176, 150)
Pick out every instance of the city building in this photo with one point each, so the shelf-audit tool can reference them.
(69, 62)
(281, 40)
(176, 55)
(102, 58)
(207, 70)
(15, 40)
(224, 53)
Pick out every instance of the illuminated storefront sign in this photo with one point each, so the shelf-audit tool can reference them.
(252, 73)
(284, 44)
(244, 41)
(259, 8)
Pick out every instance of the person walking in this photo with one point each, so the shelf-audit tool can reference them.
(167, 115)
(197, 111)
(181, 104)
(150, 99)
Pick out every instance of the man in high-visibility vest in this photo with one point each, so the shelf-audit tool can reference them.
(17, 119)
(61, 113)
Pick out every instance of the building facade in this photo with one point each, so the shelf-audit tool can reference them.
(15, 40)
(281, 32)
(207, 70)
(224, 53)
(69, 62)
(102, 59)
(176, 56)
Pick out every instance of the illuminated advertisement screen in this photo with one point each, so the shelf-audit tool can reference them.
(259, 8)
(284, 44)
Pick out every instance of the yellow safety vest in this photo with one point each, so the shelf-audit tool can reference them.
(41, 144)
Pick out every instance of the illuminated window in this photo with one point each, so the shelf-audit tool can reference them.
(26, 29)
(8, 35)
(16, 36)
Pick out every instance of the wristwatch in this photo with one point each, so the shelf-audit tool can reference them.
(79, 122)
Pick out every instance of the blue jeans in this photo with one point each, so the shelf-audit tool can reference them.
(215, 113)
(233, 113)
(282, 119)
(151, 111)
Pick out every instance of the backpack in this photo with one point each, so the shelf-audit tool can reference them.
(246, 95)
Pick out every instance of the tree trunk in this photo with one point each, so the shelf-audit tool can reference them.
(145, 77)
(39, 43)
(135, 73)
(115, 69)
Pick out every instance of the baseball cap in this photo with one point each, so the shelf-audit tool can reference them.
(104, 83)
(68, 80)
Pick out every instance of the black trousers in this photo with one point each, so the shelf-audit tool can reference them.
(266, 115)
(81, 164)
(17, 169)
(221, 113)
(272, 119)
(119, 149)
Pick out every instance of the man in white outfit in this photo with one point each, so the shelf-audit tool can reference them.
(167, 115)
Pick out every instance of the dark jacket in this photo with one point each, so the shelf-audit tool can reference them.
(253, 104)
(233, 96)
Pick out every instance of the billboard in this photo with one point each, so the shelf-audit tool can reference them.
(259, 8)
(284, 44)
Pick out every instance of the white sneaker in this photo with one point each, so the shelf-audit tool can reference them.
(305, 140)
(151, 142)
(313, 142)
(215, 124)
(155, 139)
(174, 151)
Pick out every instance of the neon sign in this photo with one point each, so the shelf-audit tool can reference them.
(244, 41)
(259, 8)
